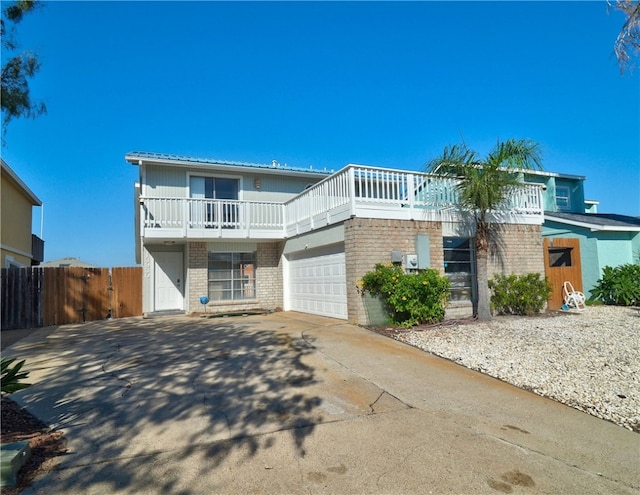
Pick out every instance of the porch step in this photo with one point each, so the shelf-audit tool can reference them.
(156, 314)
(250, 312)
(458, 309)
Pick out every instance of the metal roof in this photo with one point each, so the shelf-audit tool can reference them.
(134, 157)
(596, 221)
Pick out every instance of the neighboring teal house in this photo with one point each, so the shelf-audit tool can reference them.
(580, 242)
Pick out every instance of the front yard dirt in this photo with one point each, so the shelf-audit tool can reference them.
(18, 425)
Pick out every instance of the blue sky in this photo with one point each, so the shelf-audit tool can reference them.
(322, 84)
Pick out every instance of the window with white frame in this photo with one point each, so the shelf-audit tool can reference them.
(206, 213)
(232, 276)
(10, 262)
(563, 198)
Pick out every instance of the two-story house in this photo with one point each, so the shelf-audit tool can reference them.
(578, 241)
(246, 236)
(19, 246)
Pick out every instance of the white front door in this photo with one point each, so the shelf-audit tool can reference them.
(169, 281)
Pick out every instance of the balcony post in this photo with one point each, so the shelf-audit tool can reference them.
(142, 217)
(185, 217)
(540, 205)
(245, 215)
(352, 190)
(327, 200)
(283, 210)
(411, 195)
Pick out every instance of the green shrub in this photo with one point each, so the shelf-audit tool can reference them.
(11, 376)
(411, 299)
(519, 295)
(619, 286)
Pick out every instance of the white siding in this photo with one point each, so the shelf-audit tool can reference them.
(164, 182)
(172, 182)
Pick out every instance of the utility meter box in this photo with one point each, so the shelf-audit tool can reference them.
(411, 261)
(396, 256)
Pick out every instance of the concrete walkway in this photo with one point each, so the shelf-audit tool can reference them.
(292, 403)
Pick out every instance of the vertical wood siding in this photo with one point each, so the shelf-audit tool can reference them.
(558, 275)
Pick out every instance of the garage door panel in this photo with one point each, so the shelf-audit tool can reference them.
(318, 285)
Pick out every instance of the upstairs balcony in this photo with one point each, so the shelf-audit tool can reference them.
(37, 250)
(191, 218)
(355, 191)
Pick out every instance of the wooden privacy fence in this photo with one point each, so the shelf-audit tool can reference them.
(37, 297)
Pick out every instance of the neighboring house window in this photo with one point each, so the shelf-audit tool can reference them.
(459, 267)
(563, 199)
(560, 256)
(232, 276)
(10, 262)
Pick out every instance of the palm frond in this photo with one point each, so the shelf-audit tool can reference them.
(518, 154)
(453, 161)
(485, 184)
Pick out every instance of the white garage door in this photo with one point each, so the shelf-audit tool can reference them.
(317, 282)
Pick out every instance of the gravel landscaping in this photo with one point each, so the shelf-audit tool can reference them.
(588, 360)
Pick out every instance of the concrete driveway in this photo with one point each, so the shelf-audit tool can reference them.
(292, 403)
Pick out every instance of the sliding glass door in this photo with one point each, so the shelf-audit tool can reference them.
(205, 213)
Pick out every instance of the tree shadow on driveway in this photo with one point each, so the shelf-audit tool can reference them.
(125, 389)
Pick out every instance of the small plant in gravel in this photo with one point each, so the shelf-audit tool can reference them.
(11, 376)
(412, 298)
(519, 295)
(619, 286)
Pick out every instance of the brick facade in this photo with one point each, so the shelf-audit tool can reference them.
(197, 275)
(268, 279)
(370, 241)
(517, 249)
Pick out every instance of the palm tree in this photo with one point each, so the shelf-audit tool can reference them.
(485, 184)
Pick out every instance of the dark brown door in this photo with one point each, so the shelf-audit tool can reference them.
(562, 264)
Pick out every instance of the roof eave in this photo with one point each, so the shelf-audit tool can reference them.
(35, 201)
(256, 168)
(558, 175)
(593, 226)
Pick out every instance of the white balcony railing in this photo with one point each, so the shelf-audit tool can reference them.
(203, 218)
(370, 192)
(354, 191)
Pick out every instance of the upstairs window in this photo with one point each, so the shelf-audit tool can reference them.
(213, 188)
(208, 214)
(563, 198)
